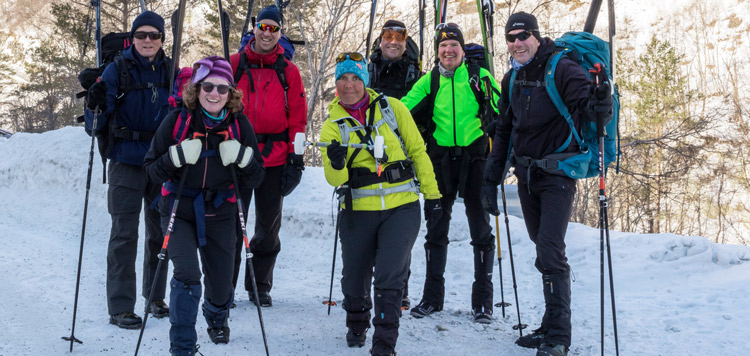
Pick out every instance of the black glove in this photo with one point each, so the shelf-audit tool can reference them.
(490, 129)
(433, 210)
(488, 198)
(97, 96)
(337, 155)
(88, 76)
(292, 174)
(600, 97)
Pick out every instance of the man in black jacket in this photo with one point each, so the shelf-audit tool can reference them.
(393, 71)
(536, 129)
(394, 66)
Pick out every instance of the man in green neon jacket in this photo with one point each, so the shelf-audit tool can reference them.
(451, 121)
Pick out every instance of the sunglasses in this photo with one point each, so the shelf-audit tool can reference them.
(208, 87)
(450, 25)
(152, 35)
(355, 56)
(391, 33)
(521, 36)
(263, 27)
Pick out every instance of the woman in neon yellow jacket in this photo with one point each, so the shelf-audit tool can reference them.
(379, 220)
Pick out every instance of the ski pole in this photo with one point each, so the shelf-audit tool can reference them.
(502, 303)
(72, 337)
(300, 143)
(598, 79)
(333, 263)
(98, 37)
(519, 326)
(248, 253)
(163, 253)
(369, 32)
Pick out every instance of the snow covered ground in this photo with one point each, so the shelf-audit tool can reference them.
(675, 295)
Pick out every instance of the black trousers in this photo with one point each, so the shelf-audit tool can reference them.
(383, 240)
(265, 244)
(482, 240)
(130, 191)
(547, 203)
(216, 257)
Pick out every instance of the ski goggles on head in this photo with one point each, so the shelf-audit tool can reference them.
(391, 33)
(208, 87)
(141, 35)
(263, 27)
(447, 25)
(521, 36)
(355, 56)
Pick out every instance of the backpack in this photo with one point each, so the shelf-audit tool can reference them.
(475, 59)
(585, 49)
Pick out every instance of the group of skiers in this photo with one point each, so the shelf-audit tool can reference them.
(231, 139)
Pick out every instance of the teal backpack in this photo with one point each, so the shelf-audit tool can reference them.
(585, 49)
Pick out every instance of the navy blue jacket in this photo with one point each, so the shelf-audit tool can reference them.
(138, 110)
(536, 125)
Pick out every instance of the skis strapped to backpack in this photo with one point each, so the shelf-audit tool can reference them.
(585, 49)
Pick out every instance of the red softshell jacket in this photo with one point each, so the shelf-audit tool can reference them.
(264, 107)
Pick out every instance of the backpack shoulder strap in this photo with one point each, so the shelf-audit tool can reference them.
(243, 68)
(554, 95)
(181, 126)
(476, 88)
(123, 71)
(389, 118)
(280, 67)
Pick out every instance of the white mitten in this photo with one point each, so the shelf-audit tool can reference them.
(190, 149)
(232, 151)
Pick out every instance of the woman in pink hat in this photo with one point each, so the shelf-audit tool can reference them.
(197, 146)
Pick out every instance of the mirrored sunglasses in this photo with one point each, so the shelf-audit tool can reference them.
(266, 27)
(355, 56)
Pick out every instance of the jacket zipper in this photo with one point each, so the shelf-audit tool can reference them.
(453, 102)
(205, 164)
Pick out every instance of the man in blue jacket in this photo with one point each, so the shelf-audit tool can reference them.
(130, 101)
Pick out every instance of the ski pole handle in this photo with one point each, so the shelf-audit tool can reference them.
(300, 145)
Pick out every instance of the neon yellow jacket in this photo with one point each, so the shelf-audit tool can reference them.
(414, 146)
(456, 109)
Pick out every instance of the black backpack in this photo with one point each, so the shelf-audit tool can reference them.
(413, 71)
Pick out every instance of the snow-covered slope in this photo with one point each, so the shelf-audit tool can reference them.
(675, 295)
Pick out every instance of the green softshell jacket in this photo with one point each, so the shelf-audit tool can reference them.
(456, 112)
(412, 141)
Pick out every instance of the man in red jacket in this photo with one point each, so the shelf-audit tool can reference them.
(274, 101)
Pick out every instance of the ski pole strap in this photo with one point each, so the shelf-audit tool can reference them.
(200, 197)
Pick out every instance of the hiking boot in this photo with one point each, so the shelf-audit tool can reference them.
(264, 296)
(552, 350)
(219, 335)
(392, 353)
(126, 320)
(424, 309)
(159, 309)
(482, 317)
(356, 339)
(405, 303)
(533, 340)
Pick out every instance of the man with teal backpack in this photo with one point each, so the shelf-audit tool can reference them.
(548, 105)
